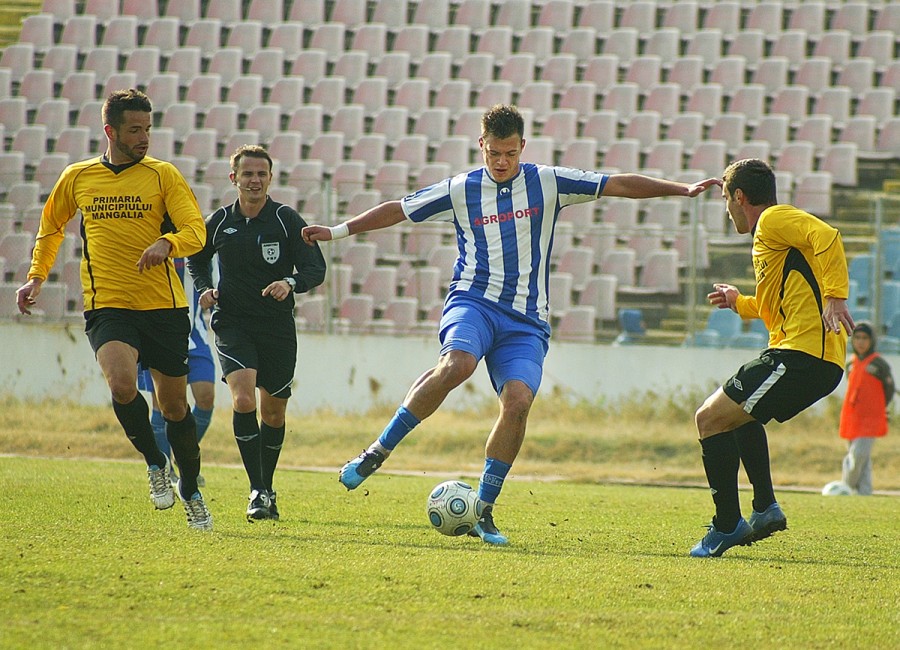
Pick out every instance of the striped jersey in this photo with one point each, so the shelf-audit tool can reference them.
(798, 261)
(504, 231)
(124, 209)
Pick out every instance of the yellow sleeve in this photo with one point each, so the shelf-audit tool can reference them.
(58, 211)
(808, 232)
(184, 211)
(835, 277)
(747, 307)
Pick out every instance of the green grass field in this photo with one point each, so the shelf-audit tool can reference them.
(87, 563)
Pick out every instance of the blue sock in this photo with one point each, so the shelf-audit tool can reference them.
(159, 432)
(401, 424)
(492, 478)
(202, 417)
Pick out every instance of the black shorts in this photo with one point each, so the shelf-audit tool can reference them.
(159, 335)
(269, 347)
(781, 383)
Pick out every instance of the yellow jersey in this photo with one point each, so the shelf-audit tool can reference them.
(798, 261)
(124, 209)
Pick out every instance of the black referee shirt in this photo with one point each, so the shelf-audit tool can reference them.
(252, 254)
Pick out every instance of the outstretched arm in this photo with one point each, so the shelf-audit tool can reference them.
(638, 186)
(381, 216)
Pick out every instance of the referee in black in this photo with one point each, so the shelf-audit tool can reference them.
(263, 261)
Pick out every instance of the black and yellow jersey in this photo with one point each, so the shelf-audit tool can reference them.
(799, 261)
(124, 209)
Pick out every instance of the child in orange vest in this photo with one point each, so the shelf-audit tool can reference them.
(870, 388)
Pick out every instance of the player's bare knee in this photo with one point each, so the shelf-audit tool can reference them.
(452, 370)
(243, 403)
(122, 392)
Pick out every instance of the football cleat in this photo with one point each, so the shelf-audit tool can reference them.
(715, 542)
(198, 516)
(161, 493)
(766, 523)
(486, 530)
(273, 509)
(360, 468)
(259, 506)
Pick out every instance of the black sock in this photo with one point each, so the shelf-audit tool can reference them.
(754, 449)
(135, 420)
(721, 460)
(246, 432)
(182, 437)
(271, 440)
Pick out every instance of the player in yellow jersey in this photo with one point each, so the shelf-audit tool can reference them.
(137, 215)
(801, 296)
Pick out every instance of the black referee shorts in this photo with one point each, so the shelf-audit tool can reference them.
(781, 383)
(268, 345)
(159, 335)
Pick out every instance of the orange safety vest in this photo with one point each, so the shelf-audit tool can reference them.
(863, 414)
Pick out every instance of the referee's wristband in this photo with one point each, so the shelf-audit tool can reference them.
(339, 231)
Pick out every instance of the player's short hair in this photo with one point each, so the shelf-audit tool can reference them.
(754, 178)
(249, 151)
(119, 101)
(502, 121)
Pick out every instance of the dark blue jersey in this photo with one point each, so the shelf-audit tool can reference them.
(253, 253)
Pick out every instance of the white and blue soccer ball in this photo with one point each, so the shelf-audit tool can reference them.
(454, 508)
(836, 489)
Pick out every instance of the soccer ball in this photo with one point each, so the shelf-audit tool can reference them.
(454, 508)
(836, 489)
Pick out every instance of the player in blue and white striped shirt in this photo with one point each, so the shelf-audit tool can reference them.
(504, 214)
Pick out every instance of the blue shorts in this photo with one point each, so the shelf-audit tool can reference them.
(512, 347)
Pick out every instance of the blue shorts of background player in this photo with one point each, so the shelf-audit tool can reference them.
(201, 379)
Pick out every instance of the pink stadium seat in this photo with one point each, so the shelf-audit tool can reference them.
(121, 32)
(288, 37)
(228, 11)
(791, 101)
(581, 42)
(707, 44)
(53, 114)
(310, 312)
(840, 160)
(620, 263)
(361, 258)
(797, 157)
(622, 43)
(538, 97)
(223, 117)
(665, 156)
(858, 75)
(350, 12)
(645, 71)
(268, 12)
(835, 102)
(772, 73)
(431, 173)
(835, 45)
(646, 238)
(814, 74)
(80, 31)
(860, 130)
(266, 119)
(814, 193)
(660, 272)
(329, 148)
(403, 313)
(329, 91)
(581, 153)
(435, 14)
(475, 14)
(559, 289)
(62, 60)
(682, 16)
(228, 63)
(645, 128)
(329, 37)
(393, 66)
(641, 15)
(145, 10)
(36, 36)
(349, 120)
(412, 39)
(577, 325)
(666, 44)
(286, 93)
(559, 70)
(878, 102)
(392, 179)
(144, 62)
(434, 124)
(30, 140)
(753, 149)
(370, 148)
(310, 64)
(163, 89)
(425, 285)
(455, 40)
(599, 14)
(749, 100)
(436, 68)
(496, 40)
(356, 313)
(309, 13)
(664, 99)
(557, 14)
(622, 155)
(621, 213)
(623, 99)
(709, 156)
(36, 87)
(454, 150)
(413, 95)
(392, 121)
(750, 44)
(538, 41)
(889, 137)
(808, 16)
(773, 129)
(286, 148)
(307, 120)
(602, 71)
(381, 284)
(562, 126)
(307, 176)
(74, 141)
(269, 65)
(706, 99)
(411, 149)
(887, 18)
(453, 94)
(23, 196)
(686, 128)
(599, 292)
(163, 32)
(353, 66)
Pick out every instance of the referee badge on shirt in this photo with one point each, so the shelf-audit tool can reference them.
(271, 252)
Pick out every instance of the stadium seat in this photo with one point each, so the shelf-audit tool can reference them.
(623, 99)
(310, 312)
(310, 65)
(725, 16)
(602, 71)
(888, 143)
(121, 32)
(659, 273)
(392, 179)
(80, 31)
(36, 86)
(200, 144)
(645, 128)
(307, 120)
(791, 45)
(223, 117)
(74, 141)
(163, 32)
(577, 325)
(329, 91)
(797, 157)
(372, 94)
(352, 66)
(631, 323)
(645, 71)
(580, 153)
(581, 42)
(666, 44)
(749, 100)
(538, 41)
(834, 45)
(412, 39)
(288, 37)
(840, 160)
(286, 93)
(665, 100)
(32, 141)
(749, 44)
(371, 148)
(62, 60)
(329, 148)
(791, 101)
(403, 313)
(539, 97)
(436, 68)
(686, 128)
(381, 284)
(707, 45)
(666, 157)
(599, 292)
(814, 74)
(622, 43)
(268, 64)
(620, 263)
(813, 193)
(877, 102)
(266, 119)
(860, 130)
(394, 66)
(205, 91)
(706, 99)
(577, 261)
(727, 323)
(53, 114)
(622, 213)
(599, 14)
(37, 35)
(453, 94)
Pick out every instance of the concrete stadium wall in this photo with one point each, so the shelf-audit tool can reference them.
(353, 373)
